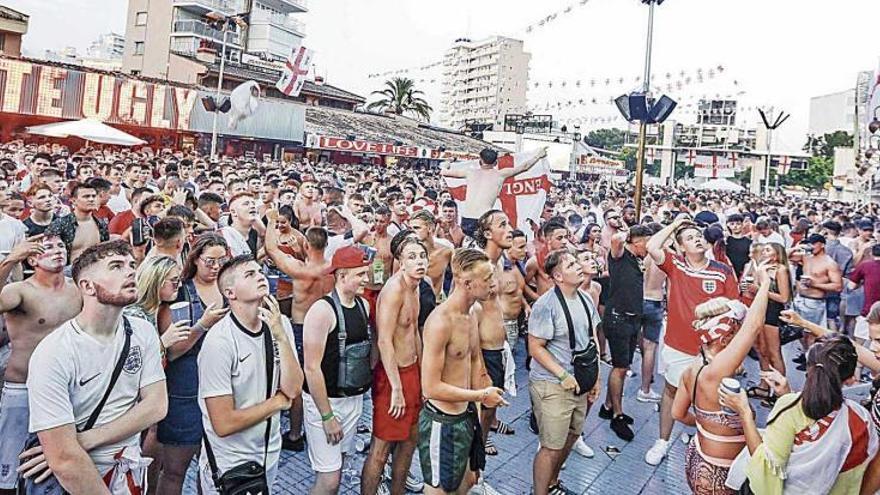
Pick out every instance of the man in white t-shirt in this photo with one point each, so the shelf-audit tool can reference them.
(243, 215)
(238, 407)
(90, 430)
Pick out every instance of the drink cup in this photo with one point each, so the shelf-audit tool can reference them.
(807, 280)
(732, 386)
(180, 312)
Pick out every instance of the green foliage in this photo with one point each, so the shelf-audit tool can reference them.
(607, 139)
(814, 177)
(824, 145)
(628, 155)
(400, 96)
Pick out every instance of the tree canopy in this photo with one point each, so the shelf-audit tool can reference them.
(401, 97)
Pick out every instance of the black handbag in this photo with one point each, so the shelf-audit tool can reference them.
(789, 333)
(248, 478)
(585, 362)
(51, 486)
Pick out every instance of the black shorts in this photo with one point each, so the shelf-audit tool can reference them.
(622, 334)
(494, 361)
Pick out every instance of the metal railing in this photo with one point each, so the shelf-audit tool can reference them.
(224, 6)
(278, 20)
(203, 29)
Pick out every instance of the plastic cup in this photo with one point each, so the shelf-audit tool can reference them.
(732, 386)
(273, 284)
(180, 312)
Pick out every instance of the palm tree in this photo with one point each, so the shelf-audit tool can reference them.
(400, 96)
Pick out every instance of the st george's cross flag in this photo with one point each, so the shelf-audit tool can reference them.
(522, 197)
(295, 71)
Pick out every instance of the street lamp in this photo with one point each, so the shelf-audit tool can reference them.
(641, 106)
(222, 22)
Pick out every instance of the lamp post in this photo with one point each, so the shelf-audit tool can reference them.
(643, 107)
(219, 87)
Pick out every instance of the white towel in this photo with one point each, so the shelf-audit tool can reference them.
(509, 370)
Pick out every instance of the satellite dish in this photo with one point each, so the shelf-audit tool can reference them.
(244, 100)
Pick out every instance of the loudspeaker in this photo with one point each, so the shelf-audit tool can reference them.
(638, 106)
(661, 110)
(225, 106)
(209, 104)
(622, 103)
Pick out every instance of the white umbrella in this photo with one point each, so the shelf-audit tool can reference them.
(88, 129)
(720, 185)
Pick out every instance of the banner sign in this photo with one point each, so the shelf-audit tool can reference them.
(47, 91)
(591, 164)
(715, 165)
(369, 147)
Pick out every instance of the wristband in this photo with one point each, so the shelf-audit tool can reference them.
(563, 376)
(327, 417)
(198, 327)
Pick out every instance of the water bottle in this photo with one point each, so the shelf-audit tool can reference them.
(378, 271)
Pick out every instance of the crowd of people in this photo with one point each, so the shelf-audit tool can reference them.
(164, 307)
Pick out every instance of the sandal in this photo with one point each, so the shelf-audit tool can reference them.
(502, 428)
(490, 448)
(757, 392)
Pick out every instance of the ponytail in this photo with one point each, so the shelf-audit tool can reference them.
(830, 362)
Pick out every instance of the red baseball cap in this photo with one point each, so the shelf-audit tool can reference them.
(348, 257)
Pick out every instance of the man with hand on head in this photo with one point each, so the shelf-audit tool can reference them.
(248, 374)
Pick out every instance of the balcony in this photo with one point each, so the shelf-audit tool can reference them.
(202, 30)
(286, 6)
(281, 21)
(202, 7)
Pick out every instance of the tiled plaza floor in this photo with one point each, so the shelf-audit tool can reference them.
(510, 472)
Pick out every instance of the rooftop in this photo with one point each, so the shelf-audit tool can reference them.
(7, 13)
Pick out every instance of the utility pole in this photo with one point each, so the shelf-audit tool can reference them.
(219, 87)
(643, 125)
(780, 119)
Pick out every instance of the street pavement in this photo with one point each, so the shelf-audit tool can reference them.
(510, 472)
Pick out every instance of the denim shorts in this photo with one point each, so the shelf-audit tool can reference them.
(652, 320)
(832, 305)
(812, 310)
(182, 425)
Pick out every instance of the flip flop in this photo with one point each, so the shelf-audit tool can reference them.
(490, 448)
(502, 428)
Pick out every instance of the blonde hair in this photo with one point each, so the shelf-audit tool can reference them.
(466, 259)
(149, 279)
(710, 309)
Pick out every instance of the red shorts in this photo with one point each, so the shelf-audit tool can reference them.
(386, 427)
(371, 296)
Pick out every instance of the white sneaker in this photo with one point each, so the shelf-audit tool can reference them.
(656, 453)
(685, 438)
(383, 489)
(650, 396)
(483, 488)
(581, 447)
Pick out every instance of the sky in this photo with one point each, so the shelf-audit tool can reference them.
(780, 53)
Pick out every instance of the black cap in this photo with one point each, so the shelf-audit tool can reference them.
(814, 238)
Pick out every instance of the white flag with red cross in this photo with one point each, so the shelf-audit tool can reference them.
(522, 197)
(783, 165)
(295, 71)
(715, 165)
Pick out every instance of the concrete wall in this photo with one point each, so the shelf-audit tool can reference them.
(155, 36)
(833, 112)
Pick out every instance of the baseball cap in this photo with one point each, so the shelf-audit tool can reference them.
(814, 238)
(348, 257)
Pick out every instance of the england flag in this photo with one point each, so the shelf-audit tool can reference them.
(296, 69)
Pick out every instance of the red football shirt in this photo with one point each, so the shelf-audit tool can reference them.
(687, 288)
(121, 222)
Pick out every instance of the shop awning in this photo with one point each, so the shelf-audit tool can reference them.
(89, 129)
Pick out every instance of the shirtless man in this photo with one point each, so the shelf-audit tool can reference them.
(81, 229)
(493, 235)
(397, 391)
(555, 237)
(448, 227)
(310, 283)
(652, 324)
(28, 319)
(821, 276)
(439, 253)
(453, 378)
(512, 287)
(484, 185)
(307, 206)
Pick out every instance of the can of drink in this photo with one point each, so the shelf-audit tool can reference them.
(731, 385)
(273, 283)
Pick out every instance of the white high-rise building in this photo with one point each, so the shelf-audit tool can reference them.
(483, 81)
(108, 46)
(832, 112)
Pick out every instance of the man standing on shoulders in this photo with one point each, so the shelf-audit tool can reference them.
(692, 280)
(452, 371)
(397, 390)
(623, 318)
(248, 374)
(28, 320)
(337, 351)
(562, 325)
(96, 382)
(484, 184)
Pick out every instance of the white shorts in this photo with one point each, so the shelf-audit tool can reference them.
(672, 364)
(326, 458)
(207, 482)
(861, 329)
(13, 431)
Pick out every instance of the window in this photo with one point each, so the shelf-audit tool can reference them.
(138, 47)
(140, 19)
(2, 42)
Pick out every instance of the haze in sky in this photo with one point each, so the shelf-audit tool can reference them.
(779, 52)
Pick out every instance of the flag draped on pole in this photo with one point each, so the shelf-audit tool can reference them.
(293, 76)
(522, 197)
